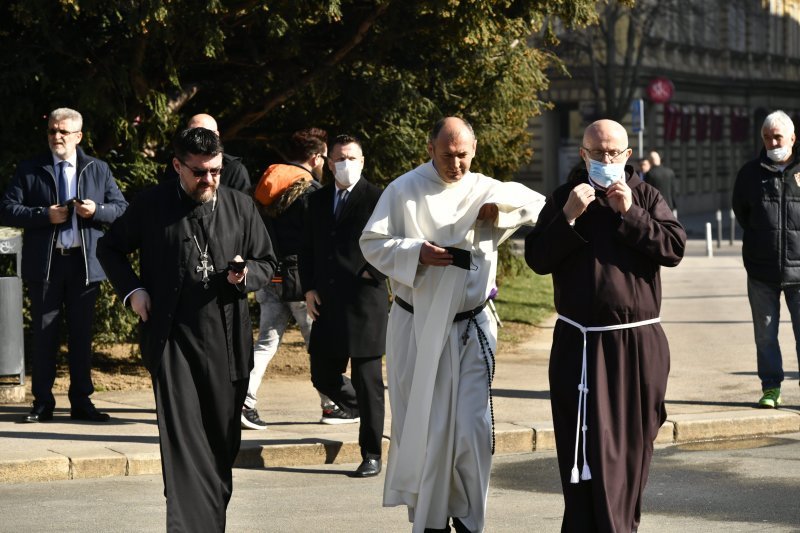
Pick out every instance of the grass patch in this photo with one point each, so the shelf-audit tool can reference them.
(523, 299)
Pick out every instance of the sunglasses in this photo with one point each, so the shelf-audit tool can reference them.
(201, 173)
(64, 133)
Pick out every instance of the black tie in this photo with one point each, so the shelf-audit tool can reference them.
(340, 204)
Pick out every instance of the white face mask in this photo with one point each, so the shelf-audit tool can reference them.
(347, 172)
(780, 153)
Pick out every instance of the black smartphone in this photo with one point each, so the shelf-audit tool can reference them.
(71, 202)
(237, 266)
(461, 258)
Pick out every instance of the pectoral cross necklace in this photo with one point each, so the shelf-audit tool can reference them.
(203, 267)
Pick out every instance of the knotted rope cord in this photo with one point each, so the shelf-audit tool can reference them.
(583, 392)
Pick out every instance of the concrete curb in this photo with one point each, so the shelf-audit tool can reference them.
(63, 463)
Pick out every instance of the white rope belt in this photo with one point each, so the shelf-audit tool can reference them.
(583, 391)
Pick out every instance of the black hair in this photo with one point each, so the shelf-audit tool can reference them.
(196, 141)
(346, 139)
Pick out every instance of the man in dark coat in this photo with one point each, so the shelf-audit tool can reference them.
(346, 298)
(603, 237)
(234, 174)
(202, 248)
(662, 178)
(59, 265)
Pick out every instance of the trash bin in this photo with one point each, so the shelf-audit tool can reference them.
(12, 348)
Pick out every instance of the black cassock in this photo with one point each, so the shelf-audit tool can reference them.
(606, 272)
(197, 342)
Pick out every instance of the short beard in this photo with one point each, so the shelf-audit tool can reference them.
(203, 195)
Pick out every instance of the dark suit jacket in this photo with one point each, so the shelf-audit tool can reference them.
(34, 189)
(154, 225)
(354, 310)
(663, 179)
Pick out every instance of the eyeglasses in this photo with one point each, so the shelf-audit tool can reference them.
(64, 133)
(599, 155)
(201, 173)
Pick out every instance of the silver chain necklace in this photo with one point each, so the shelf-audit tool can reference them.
(203, 267)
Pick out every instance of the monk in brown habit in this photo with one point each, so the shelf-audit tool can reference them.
(604, 236)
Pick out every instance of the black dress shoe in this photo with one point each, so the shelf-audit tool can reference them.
(39, 413)
(88, 414)
(368, 468)
(459, 526)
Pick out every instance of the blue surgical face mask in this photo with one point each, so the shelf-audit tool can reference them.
(604, 174)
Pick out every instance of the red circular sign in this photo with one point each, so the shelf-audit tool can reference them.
(660, 90)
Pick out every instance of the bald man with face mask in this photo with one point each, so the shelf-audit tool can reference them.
(604, 235)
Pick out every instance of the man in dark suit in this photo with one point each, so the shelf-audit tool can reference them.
(346, 298)
(63, 200)
(662, 178)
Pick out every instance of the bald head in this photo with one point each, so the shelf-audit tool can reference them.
(605, 141)
(203, 120)
(451, 146)
(451, 126)
(605, 131)
(655, 158)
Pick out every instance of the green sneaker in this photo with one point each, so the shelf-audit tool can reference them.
(771, 399)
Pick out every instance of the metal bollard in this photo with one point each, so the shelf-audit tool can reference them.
(719, 228)
(733, 226)
(709, 239)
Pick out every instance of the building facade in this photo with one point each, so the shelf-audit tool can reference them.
(728, 64)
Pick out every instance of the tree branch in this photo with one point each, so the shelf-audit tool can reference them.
(337, 57)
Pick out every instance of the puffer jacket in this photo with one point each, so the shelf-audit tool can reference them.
(766, 201)
(34, 189)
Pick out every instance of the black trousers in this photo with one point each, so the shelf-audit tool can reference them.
(66, 289)
(363, 396)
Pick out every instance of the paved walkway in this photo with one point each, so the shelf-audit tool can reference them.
(712, 392)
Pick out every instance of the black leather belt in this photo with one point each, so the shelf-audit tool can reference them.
(69, 251)
(464, 315)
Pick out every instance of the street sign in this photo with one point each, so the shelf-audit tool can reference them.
(637, 115)
(660, 90)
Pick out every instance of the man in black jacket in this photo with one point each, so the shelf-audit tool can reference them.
(63, 200)
(234, 174)
(662, 178)
(766, 201)
(347, 298)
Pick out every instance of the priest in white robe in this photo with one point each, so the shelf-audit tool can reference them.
(441, 340)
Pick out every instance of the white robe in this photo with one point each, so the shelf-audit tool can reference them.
(440, 455)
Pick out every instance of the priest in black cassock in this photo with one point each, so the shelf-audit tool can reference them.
(604, 236)
(195, 331)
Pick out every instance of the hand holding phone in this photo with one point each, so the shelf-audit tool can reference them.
(237, 266)
(71, 202)
(461, 258)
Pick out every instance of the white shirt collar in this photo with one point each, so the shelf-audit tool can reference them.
(73, 160)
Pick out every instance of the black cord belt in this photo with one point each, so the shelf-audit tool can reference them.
(464, 315)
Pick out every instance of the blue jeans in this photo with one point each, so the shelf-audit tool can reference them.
(765, 304)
